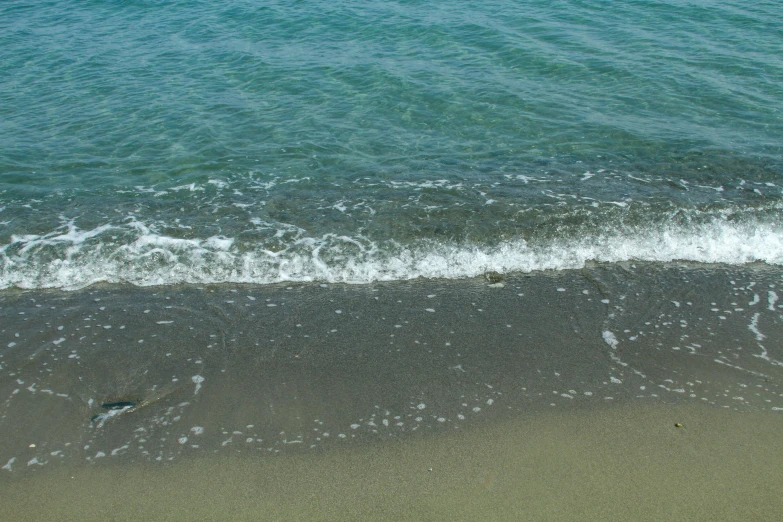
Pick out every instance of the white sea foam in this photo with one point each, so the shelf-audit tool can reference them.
(754, 327)
(197, 380)
(144, 257)
(610, 339)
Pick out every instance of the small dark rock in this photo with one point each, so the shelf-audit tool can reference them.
(117, 405)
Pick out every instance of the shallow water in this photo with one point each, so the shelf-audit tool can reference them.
(280, 369)
(154, 143)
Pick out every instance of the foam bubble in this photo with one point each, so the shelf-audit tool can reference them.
(197, 380)
(9, 465)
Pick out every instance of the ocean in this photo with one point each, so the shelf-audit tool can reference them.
(158, 143)
(286, 230)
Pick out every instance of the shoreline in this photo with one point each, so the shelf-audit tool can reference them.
(623, 462)
(588, 369)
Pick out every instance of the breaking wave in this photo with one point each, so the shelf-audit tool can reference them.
(70, 258)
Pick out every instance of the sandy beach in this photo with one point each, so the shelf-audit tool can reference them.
(639, 392)
(626, 463)
(391, 261)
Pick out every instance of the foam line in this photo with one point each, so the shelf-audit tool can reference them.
(75, 259)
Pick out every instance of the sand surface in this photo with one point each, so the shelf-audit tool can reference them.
(551, 397)
(620, 463)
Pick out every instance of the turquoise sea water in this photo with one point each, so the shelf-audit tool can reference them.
(185, 143)
(158, 142)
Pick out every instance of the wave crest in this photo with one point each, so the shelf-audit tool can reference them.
(71, 258)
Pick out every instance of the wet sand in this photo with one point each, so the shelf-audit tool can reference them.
(549, 396)
(623, 463)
